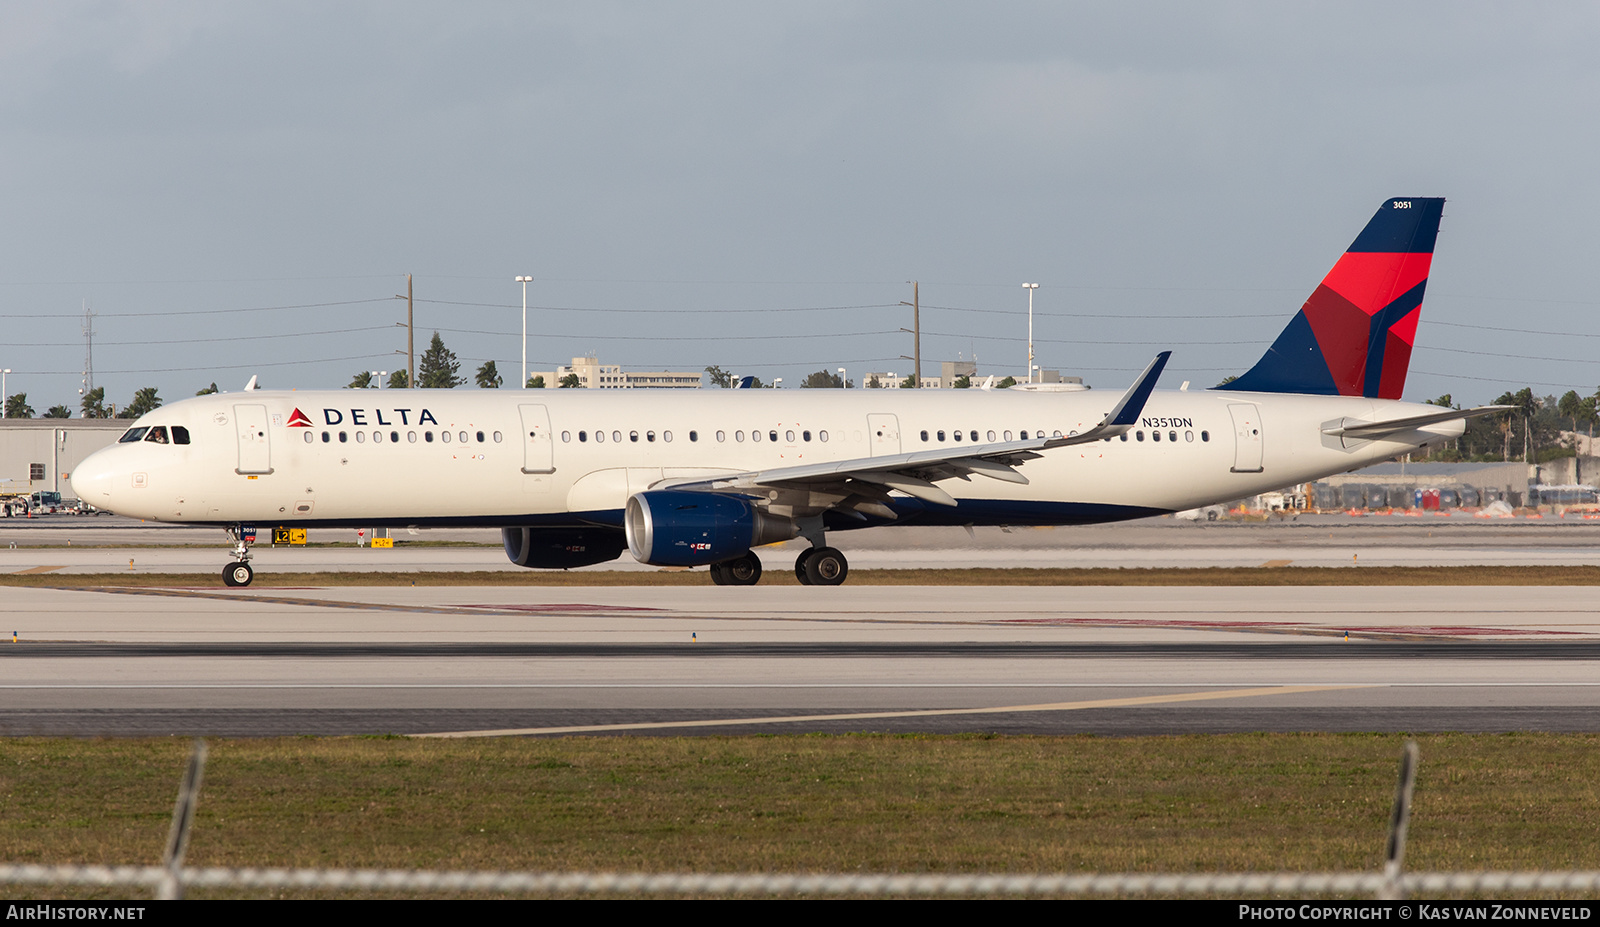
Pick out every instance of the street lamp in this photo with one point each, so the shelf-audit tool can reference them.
(524, 281)
(4, 410)
(843, 383)
(1030, 287)
(777, 382)
(380, 374)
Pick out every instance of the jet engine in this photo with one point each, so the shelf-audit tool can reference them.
(562, 548)
(682, 528)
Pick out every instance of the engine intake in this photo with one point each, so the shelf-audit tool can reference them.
(562, 548)
(681, 528)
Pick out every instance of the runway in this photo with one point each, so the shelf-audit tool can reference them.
(72, 544)
(487, 661)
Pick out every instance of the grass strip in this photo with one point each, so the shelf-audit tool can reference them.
(880, 803)
(1160, 576)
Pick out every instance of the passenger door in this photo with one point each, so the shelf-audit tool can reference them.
(255, 444)
(538, 446)
(1246, 437)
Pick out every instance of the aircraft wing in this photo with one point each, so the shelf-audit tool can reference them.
(1353, 428)
(863, 483)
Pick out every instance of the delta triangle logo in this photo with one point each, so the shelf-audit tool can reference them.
(299, 420)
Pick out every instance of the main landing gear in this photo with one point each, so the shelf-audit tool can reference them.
(817, 565)
(743, 570)
(239, 573)
(821, 566)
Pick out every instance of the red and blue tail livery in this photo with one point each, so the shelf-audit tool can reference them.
(1353, 337)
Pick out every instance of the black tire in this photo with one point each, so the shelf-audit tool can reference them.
(718, 576)
(742, 571)
(826, 567)
(800, 566)
(237, 574)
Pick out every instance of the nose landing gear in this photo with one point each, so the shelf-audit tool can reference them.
(239, 572)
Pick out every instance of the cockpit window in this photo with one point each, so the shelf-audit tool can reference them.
(157, 435)
(180, 434)
(132, 434)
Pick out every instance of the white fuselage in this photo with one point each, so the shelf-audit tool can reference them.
(506, 458)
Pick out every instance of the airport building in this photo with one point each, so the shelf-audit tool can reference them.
(40, 453)
(592, 374)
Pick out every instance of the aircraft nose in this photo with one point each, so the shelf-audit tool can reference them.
(94, 479)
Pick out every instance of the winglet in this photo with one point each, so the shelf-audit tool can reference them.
(1127, 410)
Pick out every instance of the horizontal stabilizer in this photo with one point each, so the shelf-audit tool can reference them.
(1373, 430)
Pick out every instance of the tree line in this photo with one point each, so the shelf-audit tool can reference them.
(1531, 429)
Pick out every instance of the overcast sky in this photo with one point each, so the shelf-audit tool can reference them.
(239, 188)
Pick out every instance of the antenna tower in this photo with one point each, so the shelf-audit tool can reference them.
(88, 349)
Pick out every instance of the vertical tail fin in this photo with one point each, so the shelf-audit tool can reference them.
(1353, 336)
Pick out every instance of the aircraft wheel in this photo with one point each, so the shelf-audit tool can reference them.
(719, 577)
(826, 567)
(800, 566)
(238, 574)
(742, 571)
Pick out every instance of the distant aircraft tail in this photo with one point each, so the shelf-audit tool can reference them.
(1353, 336)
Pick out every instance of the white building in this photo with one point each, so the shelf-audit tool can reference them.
(592, 374)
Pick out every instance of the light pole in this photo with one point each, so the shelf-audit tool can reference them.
(380, 374)
(1030, 287)
(843, 383)
(4, 405)
(777, 382)
(524, 281)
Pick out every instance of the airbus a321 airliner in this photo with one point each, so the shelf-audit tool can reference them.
(574, 477)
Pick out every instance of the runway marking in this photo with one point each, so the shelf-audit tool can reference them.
(1326, 624)
(920, 713)
(39, 569)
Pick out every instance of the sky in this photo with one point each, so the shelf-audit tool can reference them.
(240, 188)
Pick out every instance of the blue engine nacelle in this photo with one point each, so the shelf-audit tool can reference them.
(682, 528)
(562, 548)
